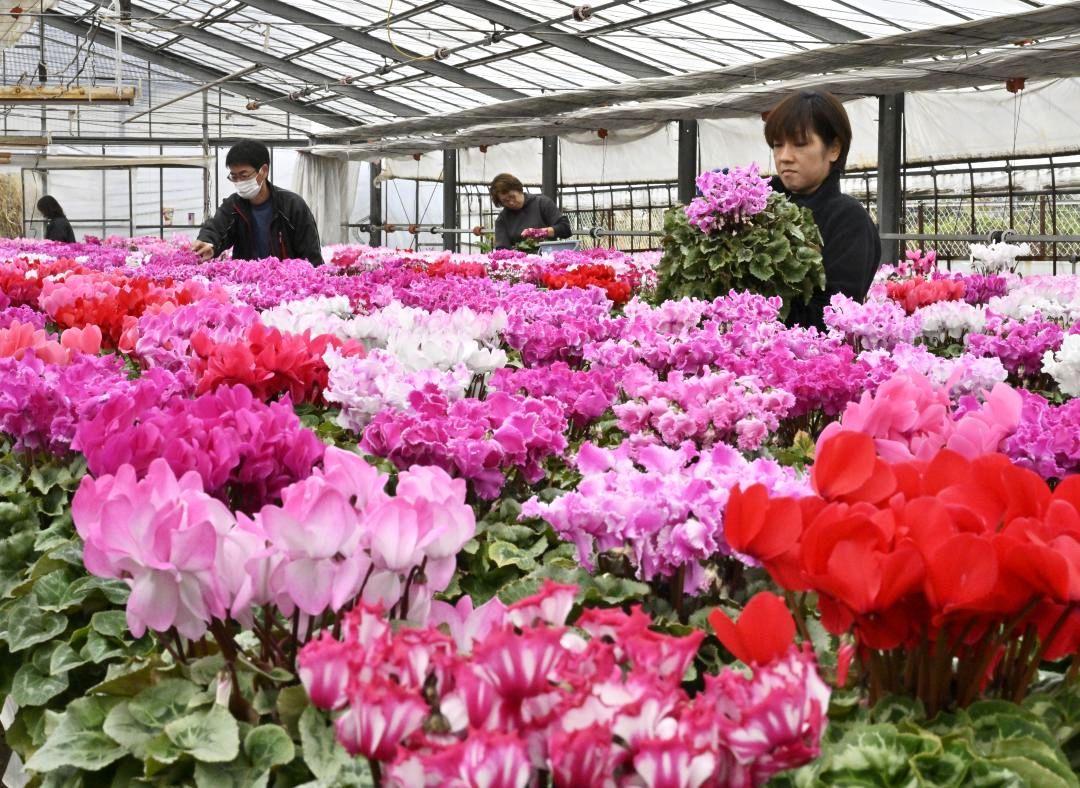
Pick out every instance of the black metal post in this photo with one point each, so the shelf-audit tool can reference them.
(375, 214)
(890, 164)
(450, 199)
(550, 168)
(688, 160)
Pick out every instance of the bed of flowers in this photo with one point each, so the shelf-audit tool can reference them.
(506, 520)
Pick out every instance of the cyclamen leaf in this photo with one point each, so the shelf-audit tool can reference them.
(321, 751)
(31, 687)
(28, 625)
(268, 746)
(211, 735)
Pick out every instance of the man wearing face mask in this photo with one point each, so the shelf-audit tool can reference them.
(260, 220)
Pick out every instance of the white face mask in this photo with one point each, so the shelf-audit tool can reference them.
(249, 188)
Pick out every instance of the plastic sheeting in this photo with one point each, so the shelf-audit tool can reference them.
(939, 126)
(329, 188)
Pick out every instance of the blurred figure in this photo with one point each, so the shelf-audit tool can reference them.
(58, 227)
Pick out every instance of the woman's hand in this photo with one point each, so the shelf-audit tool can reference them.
(550, 232)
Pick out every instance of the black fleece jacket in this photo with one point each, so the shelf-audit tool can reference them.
(851, 252)
(538, 211)
(293, 233)
(59, 229)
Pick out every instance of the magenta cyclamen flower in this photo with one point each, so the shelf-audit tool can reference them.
(728, 197)
(478, 440)
(239, 445)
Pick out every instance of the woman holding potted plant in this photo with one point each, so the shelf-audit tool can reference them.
(810, 136)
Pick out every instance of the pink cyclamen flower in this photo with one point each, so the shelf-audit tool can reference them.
(379, 717)
(161, 536)
(317, 531)
(323, 665)
(494, 760)
(671, 763)
(583, 757)
(551, 606)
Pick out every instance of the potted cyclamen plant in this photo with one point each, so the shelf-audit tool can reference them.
(738, 234)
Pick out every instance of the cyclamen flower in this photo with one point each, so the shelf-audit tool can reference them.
(873, 324)
(950, 320)
(1047, 440)
(365, 386)
(911, 418)
(43, 406)
(238, 445)
(1021, 346)
(706, 409)
(728, 197)
(663, 508)
(22, 338)
(477, 440)
(584, 394)
(600, 705)
(163, 339)
(267, 362)
(1064, 365)
(160, 535)
(995, 257)
(338, 534)
(920, 292)
(20, 314)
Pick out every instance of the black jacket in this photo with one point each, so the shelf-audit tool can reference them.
(538, 211)
(851, 252)
(293, 233)
(59, 229)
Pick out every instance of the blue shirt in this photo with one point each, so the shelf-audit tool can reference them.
(260, 230)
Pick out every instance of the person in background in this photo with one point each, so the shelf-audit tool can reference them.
(522, 212)
(58, 227)
(260, 219)
(810, 136)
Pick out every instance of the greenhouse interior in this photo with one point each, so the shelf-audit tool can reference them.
(686, 393)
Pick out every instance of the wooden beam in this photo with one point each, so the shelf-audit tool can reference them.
(46, 95)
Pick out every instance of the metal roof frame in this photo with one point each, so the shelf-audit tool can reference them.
(536, 28)
(385, 49)
(1058, 59)
(267, 60)
(866, 53)
(181, 65)
(799, 18)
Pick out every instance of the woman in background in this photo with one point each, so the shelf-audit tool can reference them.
(810, 136)
(58, 227)
(522, 212)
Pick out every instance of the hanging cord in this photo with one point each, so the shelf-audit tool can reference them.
(1018, 103)
(390, 38)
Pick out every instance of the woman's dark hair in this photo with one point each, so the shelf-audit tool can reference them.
(504, 183)
(249, 152)
(49, 207)
(806, 111)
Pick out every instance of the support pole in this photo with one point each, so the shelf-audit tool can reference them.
(688, 160)
(450, 199)
(206, 156)
(375, 213)
(550, 168)
(890, 164)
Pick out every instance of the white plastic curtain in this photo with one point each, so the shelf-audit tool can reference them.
(329, 188)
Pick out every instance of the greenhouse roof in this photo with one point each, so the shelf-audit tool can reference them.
(360, 63)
